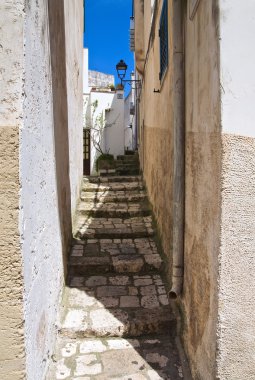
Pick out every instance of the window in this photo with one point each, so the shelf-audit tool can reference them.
(163, 36)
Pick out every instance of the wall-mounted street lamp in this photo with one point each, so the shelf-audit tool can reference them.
(121, 68)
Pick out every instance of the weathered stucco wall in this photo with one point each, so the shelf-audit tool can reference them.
(202, 189)
(217, 303)
(159, 115)
(45, 220)
(39, 217)
(34, 176)
(74, 69)
(12, 347)
(236, 324)
(12, 350)
(156, 148)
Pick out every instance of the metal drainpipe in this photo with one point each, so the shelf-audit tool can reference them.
(179, 152)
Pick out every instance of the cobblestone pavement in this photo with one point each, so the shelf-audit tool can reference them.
(114, 255)
(115, 320)
(113, 228)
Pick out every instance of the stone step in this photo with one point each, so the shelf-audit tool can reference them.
(127, 164)
(154, 358)
(126, 179)
(108, 186)
(114, 196)
(128, 157)
(116, 305)
(115, 290)
(114, 255)
(124, 171)
(114, 209)
(113, 228)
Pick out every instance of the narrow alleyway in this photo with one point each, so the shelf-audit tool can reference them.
(116, 321)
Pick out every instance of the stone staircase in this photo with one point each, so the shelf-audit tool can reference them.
(128, 164)
(116, 321)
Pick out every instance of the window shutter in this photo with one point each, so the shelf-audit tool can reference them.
(163, 35)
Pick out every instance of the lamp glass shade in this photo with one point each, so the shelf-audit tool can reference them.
(121, 68)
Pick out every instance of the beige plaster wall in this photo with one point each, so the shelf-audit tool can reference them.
(217, 302)
(202, 188)
(139, 35)
(12, 347)
(202, 166)
(156, 111)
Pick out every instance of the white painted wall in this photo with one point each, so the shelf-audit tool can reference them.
(85, 71)
(104, 101)
(114, 134)
(237, 31)
(74, 67)
(12, 345)
(39, 219)
(128, 135)
(11, 59)
(39, 216)
(112, 137)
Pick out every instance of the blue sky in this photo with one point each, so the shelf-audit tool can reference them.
(107, 35)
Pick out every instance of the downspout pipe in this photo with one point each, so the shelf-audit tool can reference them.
(178, 151)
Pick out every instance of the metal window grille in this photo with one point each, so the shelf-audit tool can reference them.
(163, 35)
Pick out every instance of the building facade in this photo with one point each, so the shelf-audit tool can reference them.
(196, 146)
(103, 117)
(130, 117)
(104, 123)
(40, 173)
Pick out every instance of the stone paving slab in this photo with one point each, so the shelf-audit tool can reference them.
(100, 228)
(114, 196)
(113, 209)
(127, 164)
(114, 292)
(112, 186)
(145, 358)
(125, 171)
(128, 157)
(116, 305)
(114, 255)
(116, 179)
